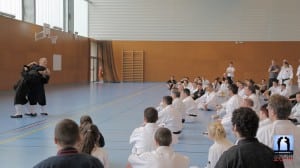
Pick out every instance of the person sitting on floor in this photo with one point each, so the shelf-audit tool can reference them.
(169, 118)
(142, 137)
(89, 144)
(284, 91)
(190, 105)
(208, 101)
(178, 104)
(295, 114)
(229, 106)
(199, 92)
(171, 83)
(163, 156)
(250, 92)
(216, 132)
(247, 103)
(264, 116)
(86, 119)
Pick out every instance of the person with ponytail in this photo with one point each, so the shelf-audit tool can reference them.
(216, 132)
(89, 143)
(86, 119)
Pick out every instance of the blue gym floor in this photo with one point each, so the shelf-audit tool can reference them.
(116, 108)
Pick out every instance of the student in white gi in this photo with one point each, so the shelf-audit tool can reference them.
(274, 89)
(250, 92)
(264, 116)
(178, 104)
(230, 72)
(142, 137)
(162, 157)
(298, 74)
(284, 91)
(216, 132)
(190, 105)
(279, 110)
(295, 114)
(286, 74)
(169, 118)
(208, 100)
(228, 107)
(223, 91)
(247, 102)
(241, 90)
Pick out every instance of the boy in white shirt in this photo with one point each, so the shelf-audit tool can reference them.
(162, 157)
(143, 137)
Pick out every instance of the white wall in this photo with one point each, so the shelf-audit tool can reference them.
(199, 20)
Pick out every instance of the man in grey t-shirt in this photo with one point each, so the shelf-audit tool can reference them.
(273, 72)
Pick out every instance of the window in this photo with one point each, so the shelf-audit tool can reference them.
(13, 7)
(81, 17)
(50, 11)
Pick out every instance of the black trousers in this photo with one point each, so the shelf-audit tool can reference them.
(21, 89)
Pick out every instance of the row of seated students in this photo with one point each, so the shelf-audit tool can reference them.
(248, 96)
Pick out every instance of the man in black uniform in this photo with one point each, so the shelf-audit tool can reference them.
(21, 90)
(40, 76)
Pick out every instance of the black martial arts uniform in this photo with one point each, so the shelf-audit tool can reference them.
(36, 92)
(22, 87)
(248, 153)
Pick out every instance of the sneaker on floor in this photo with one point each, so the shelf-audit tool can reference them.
(16, 116)
(31, 114)
(44, 114)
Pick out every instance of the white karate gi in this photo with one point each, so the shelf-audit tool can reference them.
(274, 90)
(190, 105)
(281, 127)
(285, 73)
(286, 92)
(296, 112)
(162, 157)
(230, 71)
(233, 103)
(256, 102)
(264, 122)
(298, 75)
(190, 109)
(179, 106)
(143, 138)
(209, 99)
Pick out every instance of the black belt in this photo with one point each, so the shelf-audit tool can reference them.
(193, 115)
(178, 132)
(285, 79)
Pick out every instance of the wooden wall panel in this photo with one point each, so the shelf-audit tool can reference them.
(17, 47)
(210, 59)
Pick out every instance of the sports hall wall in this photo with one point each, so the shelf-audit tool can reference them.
(209, 59)
(18, 47)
